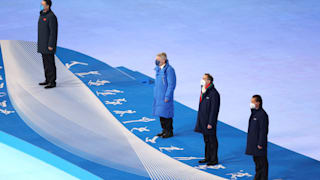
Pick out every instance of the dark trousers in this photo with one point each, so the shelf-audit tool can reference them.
(49, 68)
(211, 147)
(166, 124)
(262, 166)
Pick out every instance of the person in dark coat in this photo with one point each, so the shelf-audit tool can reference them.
(165, 84)
(47, 42)
(257, 139)
(207, 119)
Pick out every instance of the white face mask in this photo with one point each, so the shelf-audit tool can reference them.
(202, 82)
(252, 106)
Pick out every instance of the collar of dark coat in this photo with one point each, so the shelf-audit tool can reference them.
(42, 13)
(254, 111)
(158, 69)
(210, 88)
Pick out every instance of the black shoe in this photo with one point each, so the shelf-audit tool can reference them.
(212, 163)
(160, 134)
(50, 85)
(203, 161)
(167, 135)
(43, 83)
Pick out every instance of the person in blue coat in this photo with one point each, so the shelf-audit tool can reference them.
(207, 119)
(257, 139)
(165, 84)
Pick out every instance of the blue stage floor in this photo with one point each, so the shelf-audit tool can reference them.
(110, 84)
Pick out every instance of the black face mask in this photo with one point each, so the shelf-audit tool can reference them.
(157, 62)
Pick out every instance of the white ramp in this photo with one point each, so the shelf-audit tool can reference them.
(73, 118)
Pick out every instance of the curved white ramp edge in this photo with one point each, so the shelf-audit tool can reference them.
(66, 116)
(73, 118)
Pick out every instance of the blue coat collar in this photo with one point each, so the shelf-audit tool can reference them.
(157, 68)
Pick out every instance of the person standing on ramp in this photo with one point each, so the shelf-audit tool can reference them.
(47, 42)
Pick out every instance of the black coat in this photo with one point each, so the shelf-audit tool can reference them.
(257, 133)
(47, 32)
(208, 112)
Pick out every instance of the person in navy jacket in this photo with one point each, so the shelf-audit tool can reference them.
(47, 42)
(257, 139)
(207, 119)
(165, 83)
